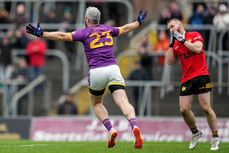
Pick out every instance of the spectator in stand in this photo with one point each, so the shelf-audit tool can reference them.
(211, 12)
(67, 20)
(51, 18)
(162, 46)
(175, 11)
(5, 57)
(21, 76)
(164, 16)
(198, 17)
(68, 107)
(208, 19)
(4, 19)
(4, 16)
(22, 37)
(144, 48)
(221, 21)
(17, 34)
(18, 37)
(20, 18)
(138, 74)
(35, 51)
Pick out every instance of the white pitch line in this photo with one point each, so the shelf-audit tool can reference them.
(20, 146)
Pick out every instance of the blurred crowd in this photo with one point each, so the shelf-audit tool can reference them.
(15, 36)
(203, 14)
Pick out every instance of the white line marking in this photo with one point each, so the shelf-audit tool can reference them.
(21, 146)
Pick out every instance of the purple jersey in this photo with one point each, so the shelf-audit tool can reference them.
(98, 44)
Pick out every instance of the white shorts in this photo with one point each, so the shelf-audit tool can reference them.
(99, 78)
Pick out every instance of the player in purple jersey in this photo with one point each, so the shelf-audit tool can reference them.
(98, 45)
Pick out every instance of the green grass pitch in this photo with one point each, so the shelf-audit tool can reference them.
(26, 146)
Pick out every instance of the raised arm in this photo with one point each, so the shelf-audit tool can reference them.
(170, 59)
(194, 47)
(131, 26)
(48, 35)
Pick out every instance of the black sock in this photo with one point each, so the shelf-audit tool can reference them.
(215, 134)
(194, 130)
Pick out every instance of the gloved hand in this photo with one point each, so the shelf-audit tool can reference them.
(179, 37)
(34, 31)
(172, 40)
(141, 17)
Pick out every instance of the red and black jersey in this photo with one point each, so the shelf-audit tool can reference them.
(193, 64)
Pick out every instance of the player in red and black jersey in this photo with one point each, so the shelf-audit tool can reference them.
(188, 46)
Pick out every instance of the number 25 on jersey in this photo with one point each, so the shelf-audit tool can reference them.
(93, 44)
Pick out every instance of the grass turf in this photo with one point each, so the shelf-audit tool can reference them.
(25, 146)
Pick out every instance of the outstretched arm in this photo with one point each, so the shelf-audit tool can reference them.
(131, 26)
(48, 35)
(57, 36)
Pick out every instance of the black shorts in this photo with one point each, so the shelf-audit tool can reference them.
(197, 85)
(112, 88)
